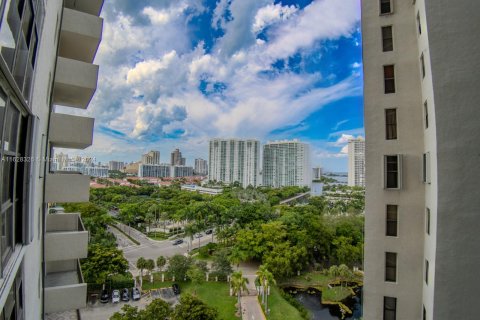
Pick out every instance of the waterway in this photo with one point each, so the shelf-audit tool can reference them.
(319, 311)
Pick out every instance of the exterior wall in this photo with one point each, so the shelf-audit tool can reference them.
(154, 171)
(201, 167)
(452, 57)
(286, 163)
(232, 160)
(409, 143)
(356, 162)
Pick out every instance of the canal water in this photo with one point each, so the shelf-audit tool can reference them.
(318, 311)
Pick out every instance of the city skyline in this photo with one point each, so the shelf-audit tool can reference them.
(156, 92)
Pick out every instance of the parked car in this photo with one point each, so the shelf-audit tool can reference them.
(105, 296)
(198, 235)
(209, 231)
(116, 296)
(125, 295)
(136, 294)
(177, 241)
(176, 288)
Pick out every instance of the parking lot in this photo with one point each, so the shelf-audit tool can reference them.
(103, 311)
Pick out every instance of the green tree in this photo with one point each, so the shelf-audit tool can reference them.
(239, 284)
(196, 275)
(345, 273)
(178, 266)
(141, 265)
(266, 279)
(103, 262)
(161, 262)
(150, 265)
(127, 313)
(221, 266)
(156, 310)
(192, 308)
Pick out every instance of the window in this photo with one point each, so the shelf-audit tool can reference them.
(387, 38)
(12, 174)
(426, 271)
(389, 308)
(419, 24)
(391, 124)
(424, 313)
(386, 6)
(392, 172)
(389, 77)
(392, 220)
(426, 167)
(390, 266)
(425, 111)
(427, 222)
(422, 64)
(18, 42)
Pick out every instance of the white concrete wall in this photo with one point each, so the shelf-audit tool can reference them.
(40, 97)
(410, 198)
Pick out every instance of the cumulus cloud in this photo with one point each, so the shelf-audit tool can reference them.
(156, 82)
(322, 19)
(270, 14)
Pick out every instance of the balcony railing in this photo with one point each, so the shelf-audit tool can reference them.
(66, 237)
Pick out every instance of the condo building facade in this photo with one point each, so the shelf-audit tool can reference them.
(201, 167)
(356, 162)
(422, 122)
(234, 160)
(46, 59)
(152, 157)
(286, 163)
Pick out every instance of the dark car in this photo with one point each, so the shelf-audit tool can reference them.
(105, 296)
(176, 288)
(135, 294)
(177, 241)
(209, 231)
(125, 295)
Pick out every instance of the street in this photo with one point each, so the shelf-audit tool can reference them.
(150, 249)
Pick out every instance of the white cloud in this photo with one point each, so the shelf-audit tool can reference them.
(270, 14)
(147, 68)
(344, 139)
(164, 16)
(321, 20)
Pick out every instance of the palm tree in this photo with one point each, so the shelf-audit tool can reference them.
(161, 261)
(344, 273)
(150, 265)
(239, 284)
(266, 278)
(190, 230)
(333, 272)
(141, 265)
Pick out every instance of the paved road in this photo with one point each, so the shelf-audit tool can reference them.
(151, 249)
(100, 311)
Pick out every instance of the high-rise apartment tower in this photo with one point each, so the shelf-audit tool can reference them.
(234, 160)
(356, 162)
(422, 126)
(286, 163)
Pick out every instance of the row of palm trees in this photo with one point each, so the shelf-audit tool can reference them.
(239, 283)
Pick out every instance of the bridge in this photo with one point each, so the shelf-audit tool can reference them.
(295, 198)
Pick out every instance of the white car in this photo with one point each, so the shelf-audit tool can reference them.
(198, 235)
(115, 296)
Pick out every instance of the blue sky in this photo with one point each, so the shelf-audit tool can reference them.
(175, 73)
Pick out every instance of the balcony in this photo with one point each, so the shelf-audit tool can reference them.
(80, 35)
(75, 83)
(63, 186)
(65, 288)
(68, 131)
(66, 237)
(88, 6)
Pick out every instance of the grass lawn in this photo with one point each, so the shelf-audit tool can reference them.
(336, 294)
(280, 309)
(215, 294)
(157, 236)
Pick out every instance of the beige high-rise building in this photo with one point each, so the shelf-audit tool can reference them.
(152, 157)
(422, 124)
(356, 162)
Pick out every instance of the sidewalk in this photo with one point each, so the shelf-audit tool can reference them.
(251, 309)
